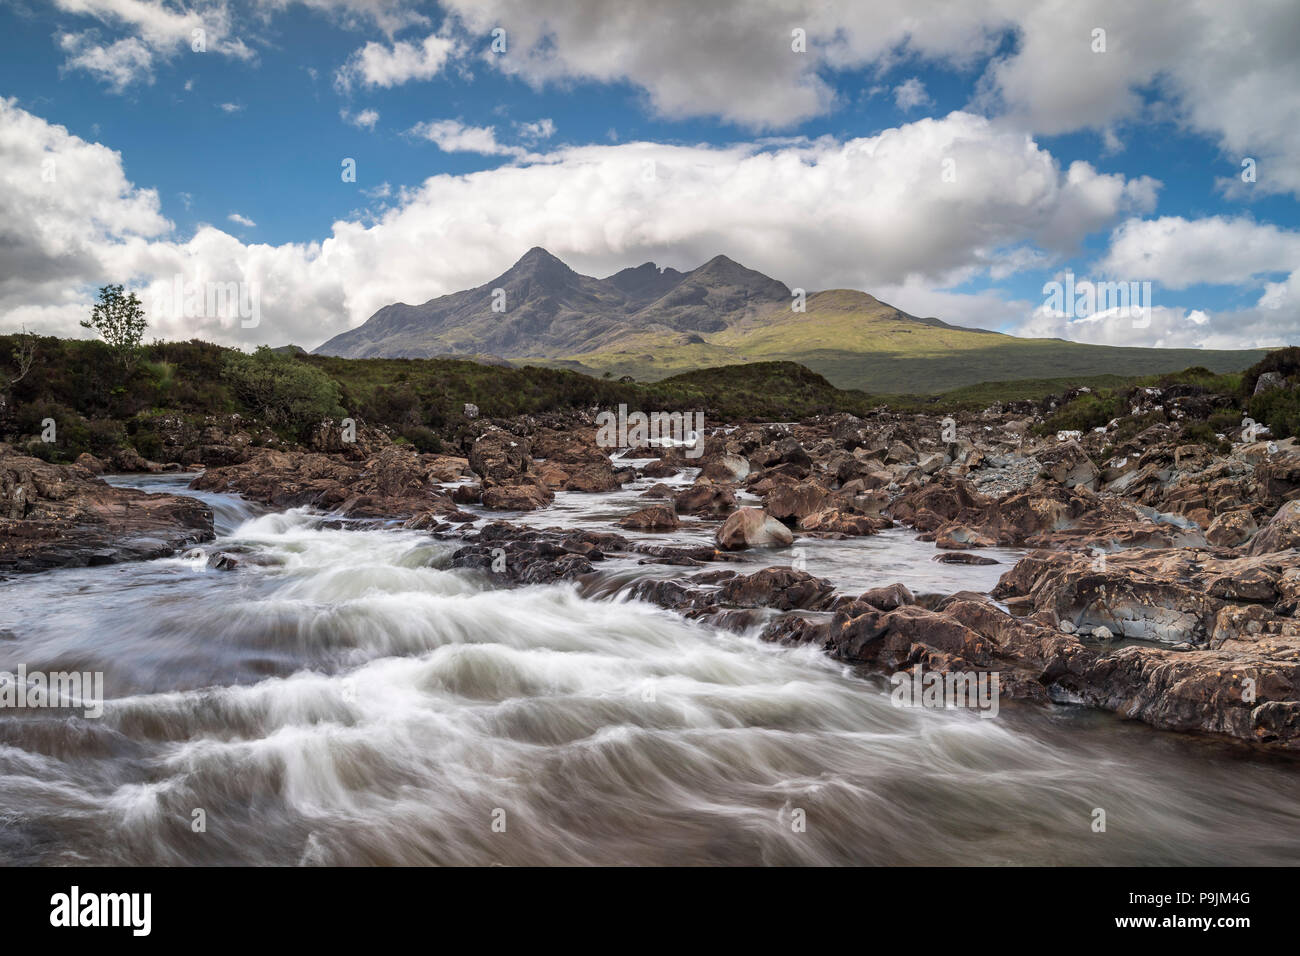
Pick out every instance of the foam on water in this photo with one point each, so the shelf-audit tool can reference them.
(341, 698)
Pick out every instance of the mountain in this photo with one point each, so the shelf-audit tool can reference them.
(649, 323)
(550, 310)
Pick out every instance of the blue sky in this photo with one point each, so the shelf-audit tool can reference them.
(819, 167)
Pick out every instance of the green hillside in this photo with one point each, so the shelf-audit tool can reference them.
(858, 342)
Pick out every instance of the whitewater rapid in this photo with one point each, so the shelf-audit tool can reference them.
(342, 698)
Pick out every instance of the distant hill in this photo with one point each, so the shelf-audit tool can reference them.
(651, 323)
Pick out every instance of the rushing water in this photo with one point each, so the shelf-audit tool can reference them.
(339, 698)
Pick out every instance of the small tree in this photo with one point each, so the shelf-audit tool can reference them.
(119, 320)
(24, 355)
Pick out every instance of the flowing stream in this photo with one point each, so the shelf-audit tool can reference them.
(341, 698)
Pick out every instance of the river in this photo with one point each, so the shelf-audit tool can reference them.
(341, 698)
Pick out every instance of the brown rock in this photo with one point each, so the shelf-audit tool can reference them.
(654, 518)
(752, 528)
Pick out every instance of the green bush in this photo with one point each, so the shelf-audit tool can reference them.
(1284, 361)
(1085, 413)
(285, 393)
(1279, 409)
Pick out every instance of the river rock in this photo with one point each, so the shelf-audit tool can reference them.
(654, 518)
(752, 528)
(56, 516)
(705, 499)
(500, 456)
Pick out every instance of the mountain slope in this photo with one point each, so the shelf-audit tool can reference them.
(544, 308)
(651, 323)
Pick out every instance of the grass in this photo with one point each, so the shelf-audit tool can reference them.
(858, 342)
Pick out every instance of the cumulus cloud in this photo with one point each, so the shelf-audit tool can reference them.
(910, 94)
(380, 65)
(872, 213)
(365, 119)
(1174, 253)
(1178, 252)
(390, 16)
(158, 32)
(65, 206)
(453, 136)
(241, 220)
(1227, 71)
(535, 131)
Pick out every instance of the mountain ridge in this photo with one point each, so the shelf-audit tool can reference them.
(650, 323)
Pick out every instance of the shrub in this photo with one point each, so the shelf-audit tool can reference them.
(286, 393)
(1279, 409)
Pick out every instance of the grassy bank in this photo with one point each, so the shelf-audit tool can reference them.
(98, 408)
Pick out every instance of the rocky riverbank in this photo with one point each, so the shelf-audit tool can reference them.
(60, 516)
(1161, 583)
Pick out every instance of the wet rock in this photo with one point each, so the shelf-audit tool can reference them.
(500, 456)
(55, 516)
(469, 494)
(958, 537)
(705, 499)
(887, 598)
(963, 557)
(752, 528)
(835, 521)
(654, 518)
(792, 502)
(517, 496)
(660, 469)
(782, 588)
(594, 477)
(726, 468)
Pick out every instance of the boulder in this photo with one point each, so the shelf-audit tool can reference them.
(517, 496)
(1232, 528)
(654, 518)
(887, 598)
(499, 456)
(593, 477)
(1281, 532)
(705, 499)
(791, 502)
(752, 528)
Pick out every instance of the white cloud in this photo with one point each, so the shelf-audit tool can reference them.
(241, 220)
(229, 108)
(119, 64)
(537, 130)
(910, 94)
(872, 213)
(1228, 71)
(453, 136)
(377, 65)
(1220, 251)
(366, 119)
(390, 16)
(157, 32)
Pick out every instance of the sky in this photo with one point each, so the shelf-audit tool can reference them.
(324, 158)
